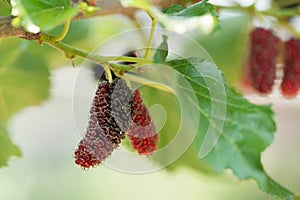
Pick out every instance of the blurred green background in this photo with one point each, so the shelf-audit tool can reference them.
(47, 134)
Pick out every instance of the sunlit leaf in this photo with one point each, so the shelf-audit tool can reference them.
(42, 15)
(197, 9)
(201, 16)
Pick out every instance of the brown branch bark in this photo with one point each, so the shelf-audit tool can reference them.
(107, 8)
(7, 30)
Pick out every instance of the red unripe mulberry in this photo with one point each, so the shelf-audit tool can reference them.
(142, 133)
(290, 84)
(264, 50)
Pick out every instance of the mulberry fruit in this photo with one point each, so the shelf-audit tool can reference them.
(95, 147)
(264, 49)
(114, 111)
(289, 87)
(112, 107)
(290, 84)
(110, 116)
(142, 133)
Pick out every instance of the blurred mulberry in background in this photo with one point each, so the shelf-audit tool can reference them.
(261, 65)
(291, 80)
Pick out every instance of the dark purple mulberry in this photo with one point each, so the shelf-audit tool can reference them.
(110, 116)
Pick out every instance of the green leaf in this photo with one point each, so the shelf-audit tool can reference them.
(5, 7)
(43, 14)
(202, 16)
(162, 51)
(246, 129)
(287, 3)
(7, 148)
(5, 2)
(24, 81)
(175, 8)
(24, 77)
(197, 9)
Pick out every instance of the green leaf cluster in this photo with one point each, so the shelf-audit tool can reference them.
(24, 81)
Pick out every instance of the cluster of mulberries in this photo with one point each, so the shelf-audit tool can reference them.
(290, 84)
(264, 49)
(261, 67)
(114, 111)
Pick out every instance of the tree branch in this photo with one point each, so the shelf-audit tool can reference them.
(71, 52)
(7, 30)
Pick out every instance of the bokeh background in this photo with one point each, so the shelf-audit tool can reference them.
(47, 134)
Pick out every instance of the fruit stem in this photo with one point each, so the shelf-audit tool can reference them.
(107, 73)
(150, 40)
(290, 28)
(148, 82)
(121, 66)
(64, 32)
